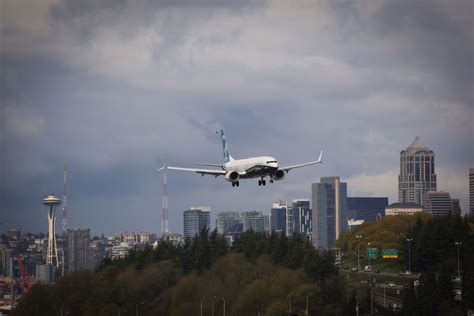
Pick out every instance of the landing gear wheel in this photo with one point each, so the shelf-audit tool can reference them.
(237, 183)
(233, 184)
(259, 182)
(271, 181)
(263, 182)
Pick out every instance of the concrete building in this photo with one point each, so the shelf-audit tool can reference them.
(471, 191)
(302, 217)
(195, 219)
(329, 201)
(366, 208)
(439, 203)
(78, 249)
(6, 263)
(417, 173)
(278, 217)
(351, 223)
(226, 221)
(403, 209)
(255, 220)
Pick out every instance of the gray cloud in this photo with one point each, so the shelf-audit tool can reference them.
(110, 87)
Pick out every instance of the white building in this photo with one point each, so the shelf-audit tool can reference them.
(408, 208)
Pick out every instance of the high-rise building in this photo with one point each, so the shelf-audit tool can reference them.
(302, 217)
(471, 191)
(366, 208)
(255, 220)
(278, 218)
(6, 262)
(196, 219)
(439, 203)
(226, 222)
(417, 173)
(329, 201)
(78, 249)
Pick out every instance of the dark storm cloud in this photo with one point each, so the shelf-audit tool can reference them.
(113, 86)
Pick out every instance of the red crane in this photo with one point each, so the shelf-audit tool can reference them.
(25, 278)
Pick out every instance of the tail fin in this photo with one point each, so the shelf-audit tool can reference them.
(225, 148)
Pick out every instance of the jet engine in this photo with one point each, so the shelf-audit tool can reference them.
(232, 176)
(278, 175)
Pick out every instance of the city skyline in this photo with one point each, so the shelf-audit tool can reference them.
(110, 97)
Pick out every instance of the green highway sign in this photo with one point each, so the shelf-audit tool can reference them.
(372, 253)
(390, 253)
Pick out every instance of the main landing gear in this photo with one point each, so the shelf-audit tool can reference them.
(261, 182)
(235, 184)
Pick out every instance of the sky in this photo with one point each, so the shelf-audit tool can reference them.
(113, 87)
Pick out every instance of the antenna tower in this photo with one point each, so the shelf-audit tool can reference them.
(164, 221)
(64, 220)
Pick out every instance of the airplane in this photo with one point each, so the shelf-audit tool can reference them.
(235, 169)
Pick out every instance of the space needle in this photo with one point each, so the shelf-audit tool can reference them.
(52, 255)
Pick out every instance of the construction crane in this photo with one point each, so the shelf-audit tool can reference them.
(25, 283)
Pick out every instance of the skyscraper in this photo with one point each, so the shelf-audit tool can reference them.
(366, 208)
(196, 219)
(440, 204)
(78, 249)
(255, 220)
(471, 190)
(417, 172)
(329, 200)
(302, 217)
(278, 218)
(226, 221)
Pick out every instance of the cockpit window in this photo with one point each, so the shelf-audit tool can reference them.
(271, 161)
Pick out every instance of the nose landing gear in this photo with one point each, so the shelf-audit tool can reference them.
(235, 184)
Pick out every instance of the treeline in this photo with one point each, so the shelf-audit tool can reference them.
(260, 273)
(434, 253)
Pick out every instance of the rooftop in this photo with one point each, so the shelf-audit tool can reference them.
(404, 205)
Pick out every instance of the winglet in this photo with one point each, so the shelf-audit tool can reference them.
(164, 167)
(320, 157)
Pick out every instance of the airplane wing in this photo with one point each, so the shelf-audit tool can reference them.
(304, 164)
(212, 172)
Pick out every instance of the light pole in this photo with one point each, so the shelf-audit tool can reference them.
(409, 253)
(289, 302)
(136, 308)
(359, 237)
(368, 255)
(223, 306)
(307, 306)
(202, 300)
(384, 286)
(371, 302)
(213, 301)
(459, 244)
(357, 306)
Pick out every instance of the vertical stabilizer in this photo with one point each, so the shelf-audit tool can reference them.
(225, 148)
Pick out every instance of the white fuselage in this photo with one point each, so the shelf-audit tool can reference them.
(253, 167)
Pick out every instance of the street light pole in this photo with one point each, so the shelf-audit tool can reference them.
(213, 305)
(409, 253)
(368, 255)
(289, 297)
(357, 305)
(358, 251)
(223, 307)
(384, 286)
(202, 299)
(459, 244)
(307, 306)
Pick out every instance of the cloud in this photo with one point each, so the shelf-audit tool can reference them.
(112, 86)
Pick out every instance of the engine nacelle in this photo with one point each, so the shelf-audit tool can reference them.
(278, 175)
(232, 176)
